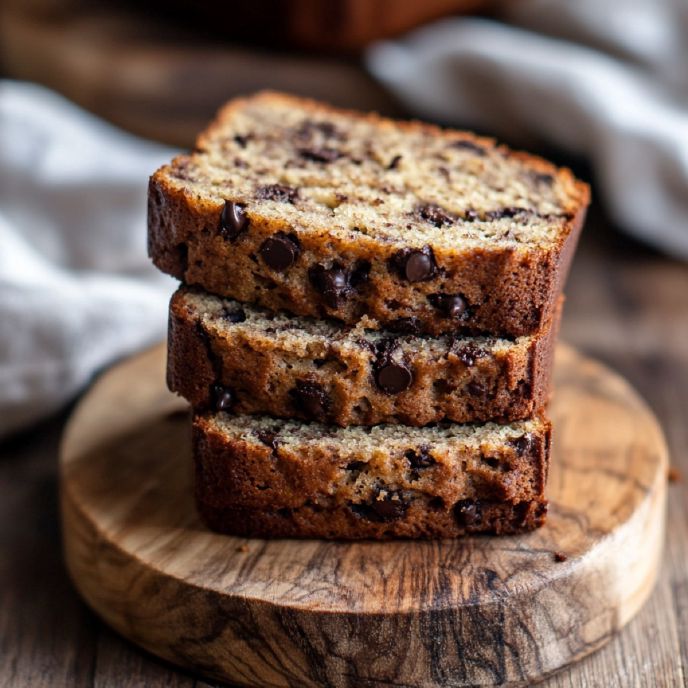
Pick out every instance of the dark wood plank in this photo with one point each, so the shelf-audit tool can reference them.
(47, 636)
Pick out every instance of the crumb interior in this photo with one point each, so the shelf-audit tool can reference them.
(372, 440)
(330, 172)
(299, 333)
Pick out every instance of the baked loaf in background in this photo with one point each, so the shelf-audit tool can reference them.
(329, 25)
(293, 205)
(260, 477)
(243, 359)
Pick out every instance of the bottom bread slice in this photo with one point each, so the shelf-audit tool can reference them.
(262, 477)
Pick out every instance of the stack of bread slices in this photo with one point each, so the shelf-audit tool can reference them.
(367, 321)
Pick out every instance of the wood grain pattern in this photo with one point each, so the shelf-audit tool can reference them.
(286, 613)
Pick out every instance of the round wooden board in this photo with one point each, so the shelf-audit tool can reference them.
(477, 611)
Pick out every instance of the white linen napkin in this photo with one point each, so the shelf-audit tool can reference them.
(76, 287)
(607, 79)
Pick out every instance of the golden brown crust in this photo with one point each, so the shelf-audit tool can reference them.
(322, 486)
(508, 291)
(333, 379)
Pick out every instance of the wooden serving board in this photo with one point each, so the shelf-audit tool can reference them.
(478, 611)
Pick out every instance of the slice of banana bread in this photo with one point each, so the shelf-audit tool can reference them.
(257, 476)
(225, 355)
(294, 205)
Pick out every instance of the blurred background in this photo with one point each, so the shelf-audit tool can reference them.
(94, 96)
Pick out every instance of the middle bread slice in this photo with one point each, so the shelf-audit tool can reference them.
(226, 356)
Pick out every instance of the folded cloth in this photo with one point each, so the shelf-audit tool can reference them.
(600, 78)
(76, 287)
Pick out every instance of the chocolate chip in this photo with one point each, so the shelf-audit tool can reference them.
(420, 458)
(476, 389)
(468, 513)
(384, 348)
(434, 214)
(465, 144)
(522, 444)
(508, 212)
(332, 283)
(312, 399)
(393, 378)
(543, 178)
(355, 466)
(308, 128)
(280, 251)
(390, 508)
(320, 154)
(491, 461)
(405, 325)
(394, 162)
(235, 316)
(277, 192)
(414, 265)
(360, 273)
(233, 220)
(268, 438)
(450, 305)
(222, 397)
(469, 353)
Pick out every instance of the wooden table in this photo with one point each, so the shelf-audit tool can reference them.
(626, 305)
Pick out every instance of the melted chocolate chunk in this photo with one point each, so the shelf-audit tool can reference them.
(543, 178)
(491, 461)
(434, 214)
(469, 353)
(420, 458)
(394, 162)
(522, 444)
(355, 466)
(508, 212)
(468, 513)
(393, 377)
(333, 283)
(222, 398)
(312, 399)
(359, 273)
(268, 438)
(277, 192)
(235, 316)
(449, 305)
(414, 265)
(233, 221)
(280, 251)
(308, 128)
(320, 154)
(390, 508)
(476, 389)
(465, 144)
(405, 325)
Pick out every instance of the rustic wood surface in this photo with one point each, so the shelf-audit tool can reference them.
(478, 611)
(626, 305)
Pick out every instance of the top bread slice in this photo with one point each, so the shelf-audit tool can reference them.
(297, 206)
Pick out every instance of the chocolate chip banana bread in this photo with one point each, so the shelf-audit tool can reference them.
(228, 356)
(256, 476)
(293, 205)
